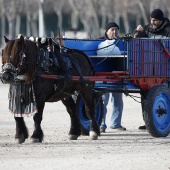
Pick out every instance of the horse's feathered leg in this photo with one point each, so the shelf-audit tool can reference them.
(21, 130)
(88, 97)
(75, 125)
(38, 135)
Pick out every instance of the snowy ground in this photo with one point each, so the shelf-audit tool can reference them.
(129, 150)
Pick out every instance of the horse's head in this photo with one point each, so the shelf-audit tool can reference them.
(19, 59)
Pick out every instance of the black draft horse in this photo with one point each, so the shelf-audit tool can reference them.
(19, 59)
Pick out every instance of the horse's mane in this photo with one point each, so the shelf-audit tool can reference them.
(31, 52)
(6, 52)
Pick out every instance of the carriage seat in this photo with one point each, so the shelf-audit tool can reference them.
(89, 46)
(101, 63)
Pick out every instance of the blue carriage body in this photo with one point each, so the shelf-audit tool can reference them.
(143, 58)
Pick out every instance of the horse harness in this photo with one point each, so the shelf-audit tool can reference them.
(50, 61)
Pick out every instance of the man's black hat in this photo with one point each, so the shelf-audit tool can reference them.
(111, 24)
(157, 14)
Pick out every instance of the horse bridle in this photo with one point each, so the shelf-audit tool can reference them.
(9, 67)
(17, 72)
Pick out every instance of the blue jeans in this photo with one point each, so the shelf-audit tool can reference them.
(117, 109)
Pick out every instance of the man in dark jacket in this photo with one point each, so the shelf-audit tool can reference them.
(159, 26)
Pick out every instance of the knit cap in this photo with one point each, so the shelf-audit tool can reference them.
(111, 24)
(157, 14)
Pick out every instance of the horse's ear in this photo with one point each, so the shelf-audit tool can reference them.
(21, 39)
(6, 39)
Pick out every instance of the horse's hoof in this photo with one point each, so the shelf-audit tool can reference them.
(36, 140)
(93, 135)
(73, 137)
(21, 140)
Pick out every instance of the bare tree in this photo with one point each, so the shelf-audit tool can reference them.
(10, 8)
(74, 15)
(88, 16)
(19, 9)
(117, 7)
(41, 18)
(143, 11)
(164, 5)
(93, 14)
(2, 15)
(58, 6)
(106, 10)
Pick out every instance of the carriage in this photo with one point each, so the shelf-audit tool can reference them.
(143, 67)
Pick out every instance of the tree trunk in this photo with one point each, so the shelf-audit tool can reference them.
(41, 19)
(12, 34)
(125, 21)
(28, 23)
(2, 30)
(117, 11)
(145, 18)
(59, 19)
(74, 20)
(154, 4)
(18, 25)
(74, 15)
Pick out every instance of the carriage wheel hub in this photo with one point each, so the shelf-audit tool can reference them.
(161, 111)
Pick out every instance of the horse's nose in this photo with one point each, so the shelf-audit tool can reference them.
(5, 77)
